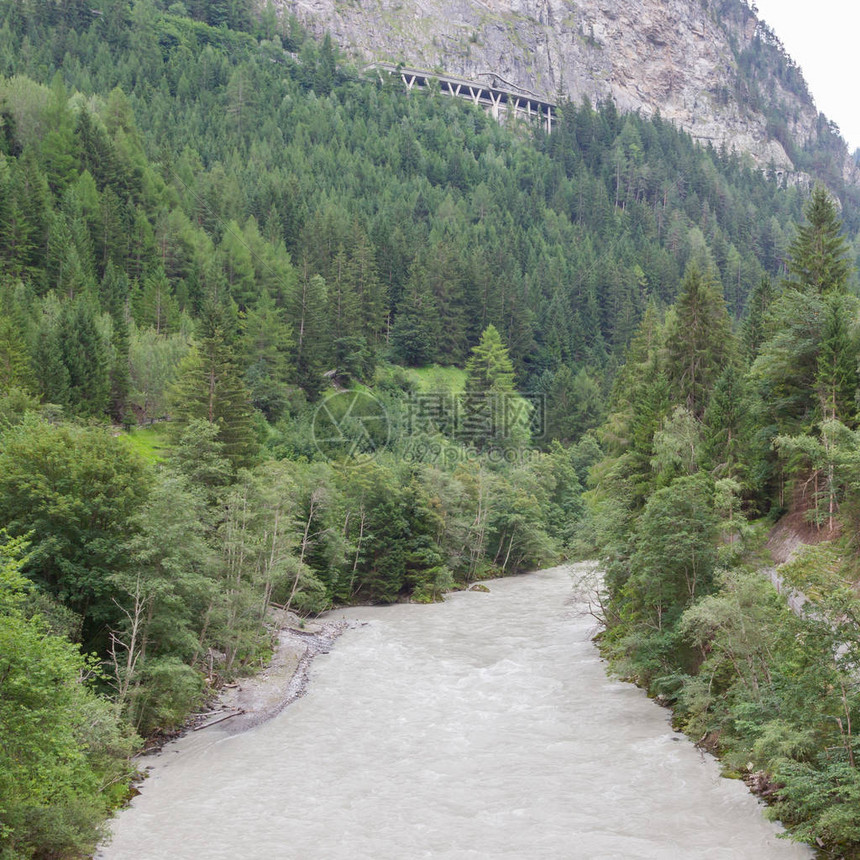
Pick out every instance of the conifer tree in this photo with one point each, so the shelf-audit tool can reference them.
(414, 332)
(311, 332)
(755, 324)
(52, 375)
(343, 302)
(727, 421)
(58, 148)
(700, 341)
(574, 405)
(238, 265)
(67, 262)
(818, 255)
(489, 401)
(210, 387)
(369, 289)
(14, 364)
(806, 368)
(268, 344)
(489, 368)
(114, 295)
(836, 378)
(155, 304)
(86, 356)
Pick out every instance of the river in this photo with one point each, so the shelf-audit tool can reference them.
(484, 727)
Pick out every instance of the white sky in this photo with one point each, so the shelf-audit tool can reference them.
(823, 38)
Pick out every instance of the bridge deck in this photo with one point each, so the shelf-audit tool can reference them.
(493, 98)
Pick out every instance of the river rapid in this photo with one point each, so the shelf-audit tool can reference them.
(484, 727)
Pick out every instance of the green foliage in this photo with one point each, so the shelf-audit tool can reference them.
(209, 388)
(818, 254)
(674, 553)
(699, 341)
(75, 489)
(64, 756)
(489, 369)
(695, 443)
(574, 404)
(369, 218)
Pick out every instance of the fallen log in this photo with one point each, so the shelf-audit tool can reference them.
(219, 720)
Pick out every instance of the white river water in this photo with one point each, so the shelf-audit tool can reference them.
(484, 727)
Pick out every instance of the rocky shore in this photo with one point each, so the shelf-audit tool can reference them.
(259, 698)
(253, 700)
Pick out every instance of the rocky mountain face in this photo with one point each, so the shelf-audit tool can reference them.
(710, 66)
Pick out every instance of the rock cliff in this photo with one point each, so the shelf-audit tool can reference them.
(710, 66)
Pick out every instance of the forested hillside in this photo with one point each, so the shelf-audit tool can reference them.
(189, 159)
(210, 230)
(713, 437)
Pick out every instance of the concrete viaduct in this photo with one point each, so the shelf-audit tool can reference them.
(493, 97)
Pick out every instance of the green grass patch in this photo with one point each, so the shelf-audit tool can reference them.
(436, 378)
(151, 442)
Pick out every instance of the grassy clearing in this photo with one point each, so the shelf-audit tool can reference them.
(436, 378)
(151, 442)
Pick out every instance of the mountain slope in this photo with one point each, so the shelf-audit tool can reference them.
(712, 68)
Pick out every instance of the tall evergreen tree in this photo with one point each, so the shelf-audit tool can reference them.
(489, 368)
(14, 362)
(49, 368)
(490, 404)
(574, 405)
(818, 255)
(727, 423)
(210, 387)
(267, 346)
(836, 379)
(87, 357)
(806, 368)
(307, 313)
(155, 305)
(700, 341)
(414, 333)
(754, 327)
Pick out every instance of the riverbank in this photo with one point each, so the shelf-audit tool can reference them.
(253, 700)
(285, 679)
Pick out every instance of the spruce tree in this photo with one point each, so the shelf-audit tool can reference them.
(58, 146)
(369, 288)
(267, 343)
(210, 387)
(310, 325)
(343, 304)
(489, 400)
(818, 255)
(727, 421)
(155, 305)
(489, 368)
(87, 357)
(836, 379)
(755, 324)
(49, 369)
(414, 333)
(114, 294)
(14, 363)
(700, 341)
(806, 368)
(574, 405)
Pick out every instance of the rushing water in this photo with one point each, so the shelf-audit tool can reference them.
(484, 727)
